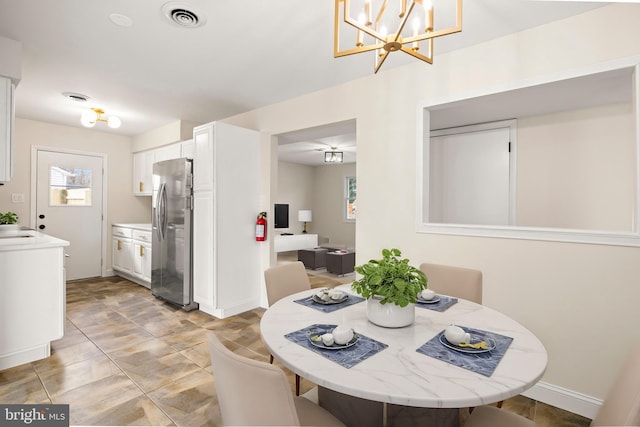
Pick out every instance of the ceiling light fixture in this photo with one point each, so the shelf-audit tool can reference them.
(121, 20)
(90, 117)
(333, 156)
(371, 32)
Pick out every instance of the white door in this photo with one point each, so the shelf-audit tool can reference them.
(69, 207)
(469, 179)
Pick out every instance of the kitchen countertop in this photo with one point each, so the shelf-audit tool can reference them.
(143, 227)
(27, 239)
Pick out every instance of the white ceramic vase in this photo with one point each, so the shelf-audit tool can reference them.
(9, 227)
(390, 315)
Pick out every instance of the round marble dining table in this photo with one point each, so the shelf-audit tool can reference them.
(399, 374)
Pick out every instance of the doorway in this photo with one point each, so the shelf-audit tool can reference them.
(69, 188)
(306, 180)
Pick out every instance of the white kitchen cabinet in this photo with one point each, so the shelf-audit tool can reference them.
(143, 166)
(294, 242)
(171, 151)
(6, 128)
(227, 269)
(142, 171)
(132, 252)
(122, 250)
(187, 149)
(142, 256)
(32, 297)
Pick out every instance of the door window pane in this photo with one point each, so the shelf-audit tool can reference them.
(69, 186)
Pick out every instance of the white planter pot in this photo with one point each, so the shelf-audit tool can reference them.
(390, 315)
(5, 228)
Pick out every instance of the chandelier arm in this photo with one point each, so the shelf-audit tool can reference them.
(336, 29)
(383, 7)
(363, 28)
(338, 54)
(415, 54)
(381, 61)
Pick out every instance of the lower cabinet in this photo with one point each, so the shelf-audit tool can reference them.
(132, 253)
(122, 252)
(142, 255)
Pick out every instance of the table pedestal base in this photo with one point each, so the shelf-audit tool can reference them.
(357, 412)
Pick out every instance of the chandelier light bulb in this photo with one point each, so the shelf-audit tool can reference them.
(89, 118)
(114, 122)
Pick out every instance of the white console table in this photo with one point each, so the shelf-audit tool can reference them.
(294, 242)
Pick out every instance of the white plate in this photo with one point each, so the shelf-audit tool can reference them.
(319, 300)
(320, 344)
(428, 301)
(474, 339)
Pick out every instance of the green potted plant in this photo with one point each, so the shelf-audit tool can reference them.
(391, 287)
(8, 220)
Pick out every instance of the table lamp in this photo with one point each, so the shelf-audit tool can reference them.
(304, 216)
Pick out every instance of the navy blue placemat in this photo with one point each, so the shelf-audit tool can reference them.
(329, 308)
(444, 303)
(481, 363)
(363, 349)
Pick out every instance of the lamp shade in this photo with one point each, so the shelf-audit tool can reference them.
(305, 216)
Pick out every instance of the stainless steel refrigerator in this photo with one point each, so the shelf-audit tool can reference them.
(171, 261)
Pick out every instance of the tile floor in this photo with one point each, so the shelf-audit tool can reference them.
(128, 359)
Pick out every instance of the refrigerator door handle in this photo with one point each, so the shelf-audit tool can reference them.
(163, 212)
(156, 211)
(160, 212)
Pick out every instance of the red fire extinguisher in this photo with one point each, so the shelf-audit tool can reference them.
(261, 227)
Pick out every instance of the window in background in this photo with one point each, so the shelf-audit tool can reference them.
(69, 186)
(350, 198)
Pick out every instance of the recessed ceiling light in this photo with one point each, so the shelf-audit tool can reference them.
(78, 97)
(183, 15)
(121, 20)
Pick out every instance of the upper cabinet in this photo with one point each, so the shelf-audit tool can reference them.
(10, 75)
(143, 166)
(187, 149)
(6, 129)
(142, 169)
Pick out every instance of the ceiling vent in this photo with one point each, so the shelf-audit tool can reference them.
(78, 97)
(183, 15)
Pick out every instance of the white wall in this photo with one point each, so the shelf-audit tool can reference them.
(122, 205)
(328, 204)
(295, 182)
(557, 290)
(321, 189)
(567, 165)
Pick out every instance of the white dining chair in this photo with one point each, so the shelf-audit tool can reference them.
(457, 282)
(254, 393)
(281, 281)
(285, 279)
(621, 406)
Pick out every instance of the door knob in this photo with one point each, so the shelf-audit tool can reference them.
(41, 226)
(41, 216)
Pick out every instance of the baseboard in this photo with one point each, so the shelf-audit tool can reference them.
(565, 399)
(23, 356)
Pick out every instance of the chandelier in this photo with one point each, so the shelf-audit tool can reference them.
(374, 25)
(333, 156)
(90, 117)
